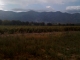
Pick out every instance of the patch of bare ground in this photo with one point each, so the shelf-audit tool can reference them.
(34, 34)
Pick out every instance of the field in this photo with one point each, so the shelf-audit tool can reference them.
(36, 29)
(39, 42)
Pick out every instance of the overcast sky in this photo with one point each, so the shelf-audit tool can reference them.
(40, 5)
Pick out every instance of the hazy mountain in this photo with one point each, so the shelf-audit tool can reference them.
(54, 17)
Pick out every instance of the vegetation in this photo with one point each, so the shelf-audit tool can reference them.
(40, 46)
(39, 42)
(18, 22)
(36, 29)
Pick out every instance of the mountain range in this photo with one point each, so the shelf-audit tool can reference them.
(52, 17)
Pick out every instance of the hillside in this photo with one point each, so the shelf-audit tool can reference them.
(54, 17)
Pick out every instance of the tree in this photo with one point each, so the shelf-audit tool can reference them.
(6, 22)
(0, 22)
(49, 24)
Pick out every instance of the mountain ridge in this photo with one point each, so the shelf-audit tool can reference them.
(53, 17)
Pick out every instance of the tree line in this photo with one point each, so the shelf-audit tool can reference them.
(18, 22)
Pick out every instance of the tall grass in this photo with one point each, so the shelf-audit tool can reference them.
(40, 46)
(36, 29)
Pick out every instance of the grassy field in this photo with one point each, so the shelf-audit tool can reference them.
(55, 45)
(36, 29)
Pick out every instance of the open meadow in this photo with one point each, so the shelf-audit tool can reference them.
(39, 42)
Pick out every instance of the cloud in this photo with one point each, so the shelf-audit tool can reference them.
(24, 3)
(73, 9)
(1, 5)
(19, 10)
(48, 6)
(38, 10)
(46, 9)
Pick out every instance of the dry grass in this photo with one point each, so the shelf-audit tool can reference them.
(40, 46)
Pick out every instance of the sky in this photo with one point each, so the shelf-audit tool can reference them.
(72, 6)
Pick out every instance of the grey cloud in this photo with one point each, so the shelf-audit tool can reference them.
(26, 2)
(73, 9)
(38, 10)
(20, 10)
